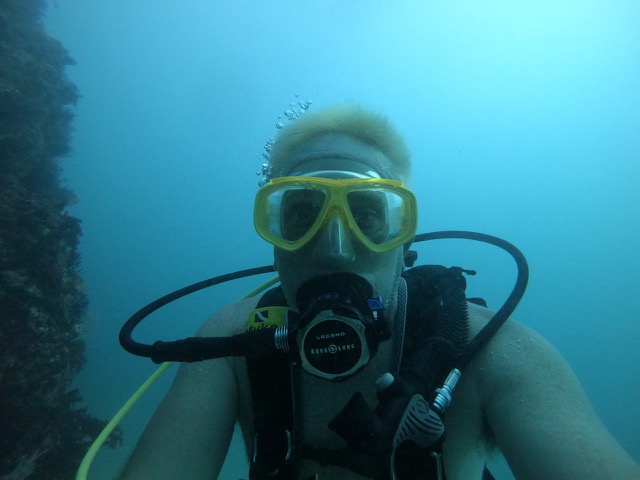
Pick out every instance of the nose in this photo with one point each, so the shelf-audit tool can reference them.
(333, 245)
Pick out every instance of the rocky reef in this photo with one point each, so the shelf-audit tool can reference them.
(44, 428)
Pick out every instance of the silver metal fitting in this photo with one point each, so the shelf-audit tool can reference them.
(444, 393)
(281, 340)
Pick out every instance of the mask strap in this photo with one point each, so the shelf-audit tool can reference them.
(399, 326)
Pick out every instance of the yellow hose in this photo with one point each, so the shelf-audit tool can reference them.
(261, 288)
(83, 469)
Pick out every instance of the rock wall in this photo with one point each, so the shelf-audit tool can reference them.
(44, 430)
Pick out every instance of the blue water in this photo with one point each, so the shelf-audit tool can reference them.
(522, 118)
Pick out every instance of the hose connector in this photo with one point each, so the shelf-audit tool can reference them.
(281, 339)
(444, 393)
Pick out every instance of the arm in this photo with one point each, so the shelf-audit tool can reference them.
(541, 417)
(189, 434)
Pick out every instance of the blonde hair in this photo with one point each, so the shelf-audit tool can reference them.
(351, 119)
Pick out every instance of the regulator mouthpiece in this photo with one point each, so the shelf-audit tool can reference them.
(340, 327)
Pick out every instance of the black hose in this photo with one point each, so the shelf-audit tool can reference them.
(196, 349)
(159, 351)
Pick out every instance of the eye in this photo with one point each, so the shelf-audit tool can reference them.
(366, 218)
(369, 210)
(300, 209)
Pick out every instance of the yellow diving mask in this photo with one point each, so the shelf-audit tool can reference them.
(379, 212)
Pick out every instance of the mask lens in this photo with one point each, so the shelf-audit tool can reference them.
(369, 210)
(379, 214)
(292, 211)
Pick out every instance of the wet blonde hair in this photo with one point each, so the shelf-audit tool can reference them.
(351, 119)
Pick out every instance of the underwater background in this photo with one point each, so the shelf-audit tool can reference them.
(523, 122)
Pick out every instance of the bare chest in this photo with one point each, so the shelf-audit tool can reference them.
(321, 401)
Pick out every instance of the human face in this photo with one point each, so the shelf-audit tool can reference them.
(334, 248)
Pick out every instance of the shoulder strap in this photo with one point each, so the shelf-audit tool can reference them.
(272, 401)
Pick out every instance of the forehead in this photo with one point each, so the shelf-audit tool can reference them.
(338, 152)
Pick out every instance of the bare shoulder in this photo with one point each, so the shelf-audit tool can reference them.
(514, 350)
(519, 365)
(537, 411)
(232, 320)
(201, 406)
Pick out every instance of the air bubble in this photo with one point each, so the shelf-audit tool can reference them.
(296, 108)
(304, 104)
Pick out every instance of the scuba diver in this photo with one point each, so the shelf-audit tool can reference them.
(372, 369)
